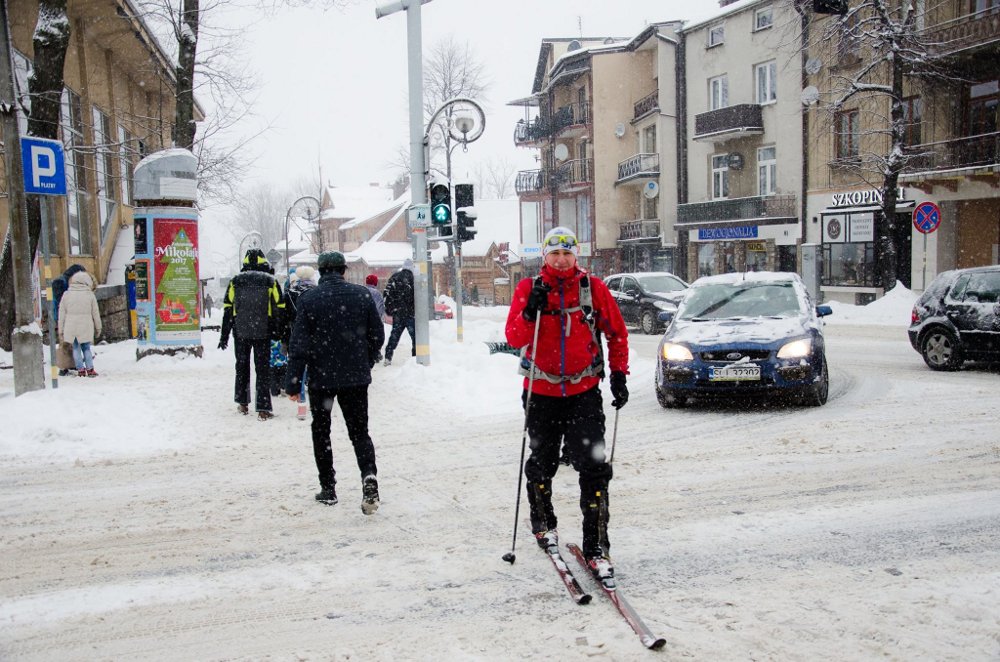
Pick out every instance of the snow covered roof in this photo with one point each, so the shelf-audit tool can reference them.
(354, 202)
(728, 10)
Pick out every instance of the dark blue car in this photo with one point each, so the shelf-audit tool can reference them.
(755, 333)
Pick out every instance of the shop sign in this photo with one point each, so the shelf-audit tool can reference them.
(862, 227)
(744, 232)
(862, 198)
(834, 229)
(757, 246)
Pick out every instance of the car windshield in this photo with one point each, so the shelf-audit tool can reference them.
(743, 299)
(661, 283)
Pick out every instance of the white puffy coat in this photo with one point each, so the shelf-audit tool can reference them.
(79, 316)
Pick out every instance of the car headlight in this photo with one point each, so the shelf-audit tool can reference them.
(796, 349)
(664, 305)
(674, 352)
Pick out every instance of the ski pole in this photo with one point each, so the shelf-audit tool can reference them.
(614, 437)
(510, 557)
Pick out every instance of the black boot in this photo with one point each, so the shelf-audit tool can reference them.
(327, 495)
(369, 495)
(543, 517)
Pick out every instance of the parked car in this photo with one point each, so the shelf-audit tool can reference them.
(641, 297)
(957, 318)
(755, 333)
(442, 311)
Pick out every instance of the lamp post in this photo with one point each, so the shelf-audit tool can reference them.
(305, 207)
(252, 239)
(459, 113)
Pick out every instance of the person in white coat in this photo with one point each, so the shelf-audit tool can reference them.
(80, 321)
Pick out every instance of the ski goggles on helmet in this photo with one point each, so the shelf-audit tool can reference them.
(566, 241)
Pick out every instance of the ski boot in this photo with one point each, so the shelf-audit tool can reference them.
(602, 569)
(548, 540)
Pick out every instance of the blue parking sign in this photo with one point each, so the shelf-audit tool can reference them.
(44, 166)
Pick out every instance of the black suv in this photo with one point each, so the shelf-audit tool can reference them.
(641, 297)
(957, 318)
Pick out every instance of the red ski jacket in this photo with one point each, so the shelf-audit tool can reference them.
(566, 346)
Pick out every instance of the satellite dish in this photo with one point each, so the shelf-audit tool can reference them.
(573, 46)
(561, 152)
(813, 66)
(809, 96)
(651, 190)
(620, 130)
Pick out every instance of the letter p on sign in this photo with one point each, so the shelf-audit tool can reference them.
(44, 167)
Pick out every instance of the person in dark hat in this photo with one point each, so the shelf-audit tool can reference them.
(337, 337)
(252, 312)
(399, 304)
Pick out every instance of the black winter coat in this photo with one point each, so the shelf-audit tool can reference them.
(337, 335)
(253, 308)
(399, 294)
(296, 290)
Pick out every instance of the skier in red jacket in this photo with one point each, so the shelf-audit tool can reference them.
(572, 308)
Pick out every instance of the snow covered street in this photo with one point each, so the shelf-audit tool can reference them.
(142, 518)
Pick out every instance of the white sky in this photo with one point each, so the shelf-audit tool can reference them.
(333, 84)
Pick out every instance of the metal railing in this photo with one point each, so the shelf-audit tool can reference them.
(647, 104)
(570, 115)
(529, 132)
(744, 117)
(975, 29)
(530, 181)
(964, 152)
(639, 164)
(642, 228)
(735, 209)
(577, 171)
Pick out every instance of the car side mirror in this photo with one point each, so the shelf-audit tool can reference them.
(823, 311)
(666, 316)
(632, 293)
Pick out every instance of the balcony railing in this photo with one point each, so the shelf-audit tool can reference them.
(976, 29)
(736, 209)
(529, 132)
(967, 152)
(729, 122)
(647, 104)
(643, 228)
(569, 115)
(530, 181)
(577, 171)
(639, 164)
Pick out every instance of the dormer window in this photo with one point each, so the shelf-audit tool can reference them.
(716, 35)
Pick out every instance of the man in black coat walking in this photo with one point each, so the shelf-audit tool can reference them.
(399, 304)
(337, 336)
(252, 312)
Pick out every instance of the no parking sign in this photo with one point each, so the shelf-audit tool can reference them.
(926, 217)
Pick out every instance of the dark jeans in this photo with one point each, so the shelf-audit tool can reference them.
(354, 407)
(262, 367)
(575, 422)
(398, 324)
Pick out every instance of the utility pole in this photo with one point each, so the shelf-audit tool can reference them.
(418, 179)
(26, 339)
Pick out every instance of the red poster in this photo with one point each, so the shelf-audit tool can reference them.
(175, 256)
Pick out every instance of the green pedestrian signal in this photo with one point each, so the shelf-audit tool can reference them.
(440, 195)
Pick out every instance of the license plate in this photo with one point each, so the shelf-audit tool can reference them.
(732, 373)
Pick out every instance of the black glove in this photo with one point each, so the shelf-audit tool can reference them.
(618, 389)
(223, 343)
(537, 300)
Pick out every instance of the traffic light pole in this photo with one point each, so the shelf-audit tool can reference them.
(418, 178)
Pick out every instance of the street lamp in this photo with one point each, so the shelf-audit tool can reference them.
(305, 207)
(252, 239)
(462, 114)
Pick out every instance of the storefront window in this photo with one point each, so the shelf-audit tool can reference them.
(756, 261)
(849, 264)
(706, 259)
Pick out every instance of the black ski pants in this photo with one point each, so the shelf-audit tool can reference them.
(354, 406)
(576, 421)
(261, 348)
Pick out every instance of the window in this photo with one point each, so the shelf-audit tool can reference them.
(77, 198)
(706, 258)
(846, 134)
(126, 156)
(720, 176)
(716, 35)
(649, 139)
(983, 103)
(913, 110)
(977, 6)
(767, 87)
(850, 39)
(763, 18)
(584, 229)
(849, 265)
(767, 169)
(648, 206)
(718, 92)
(104, 157)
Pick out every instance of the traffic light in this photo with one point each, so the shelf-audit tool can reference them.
(464, 201)
(466, 219)
(440, 195)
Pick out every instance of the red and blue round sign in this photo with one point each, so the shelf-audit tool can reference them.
(926, 217)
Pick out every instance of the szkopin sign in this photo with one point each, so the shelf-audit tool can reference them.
(862, 198)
